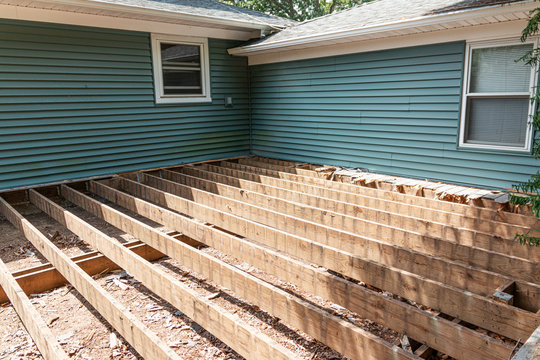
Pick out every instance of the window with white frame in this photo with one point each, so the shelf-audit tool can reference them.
(181, 69)
(497, 108)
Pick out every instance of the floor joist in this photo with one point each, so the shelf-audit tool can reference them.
(230, 329)
(475, 237)
(342, 336)
(310, 177)
(516, 267)
(148, 344)
(439, 333)
(442, 224)
(43, 337)
(436, 268)
(486, 313)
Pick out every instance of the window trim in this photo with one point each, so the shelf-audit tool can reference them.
(160, 97)
(465, 95)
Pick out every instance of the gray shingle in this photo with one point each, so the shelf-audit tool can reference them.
(210, 8)
(378, 12)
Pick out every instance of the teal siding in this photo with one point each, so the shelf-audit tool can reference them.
(78, 102)
(394, 112)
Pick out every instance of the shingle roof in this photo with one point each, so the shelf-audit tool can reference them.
(378, 12)
(206, 8)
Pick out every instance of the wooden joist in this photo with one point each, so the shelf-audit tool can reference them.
(486, 313)
(433, 267)
(43, 337)
(350, 203)
(512, 266)
(145, 342)
(230, 329)
(462, 209)
(45, 277)
(442, 334)
(342, 336)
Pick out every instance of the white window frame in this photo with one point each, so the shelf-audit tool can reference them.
(161, 98)
(465, 94)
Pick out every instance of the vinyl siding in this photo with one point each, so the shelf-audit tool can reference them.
(395, 111)
(77, 102)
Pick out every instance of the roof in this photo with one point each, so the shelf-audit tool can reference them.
(205, 8)
(378, 13)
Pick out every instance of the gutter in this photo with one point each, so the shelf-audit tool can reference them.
(139, 10)
(437, 19)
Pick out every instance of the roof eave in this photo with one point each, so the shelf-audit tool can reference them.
(461, 15)
(251, 25)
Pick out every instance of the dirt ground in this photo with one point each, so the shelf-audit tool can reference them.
(85, 335)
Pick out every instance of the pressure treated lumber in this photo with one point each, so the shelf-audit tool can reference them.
(450, 338)
(45, 277)
(439, 269)
(230, 329)
(339, 334)
(449, 226)
(462, 209)
(486, 313)
(489, 260)
(43, 337)
(476, 238)
(145, 342)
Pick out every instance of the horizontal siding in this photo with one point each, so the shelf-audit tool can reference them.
(77, 102)
(395, 111)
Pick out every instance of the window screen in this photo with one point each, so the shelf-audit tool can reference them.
(181, 69)
(497, 103)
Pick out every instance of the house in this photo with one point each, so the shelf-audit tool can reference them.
(109, 110)
(425, 89)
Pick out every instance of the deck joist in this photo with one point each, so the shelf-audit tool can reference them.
(346, 243)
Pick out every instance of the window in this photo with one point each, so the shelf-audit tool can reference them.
(497, 108)
(181, 69)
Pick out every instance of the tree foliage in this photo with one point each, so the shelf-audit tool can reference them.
(528, 193)
(296, 9)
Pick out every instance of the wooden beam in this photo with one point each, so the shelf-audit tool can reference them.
(45, 277)
(359, 203)
(145, 342)
(439, 269)
(457, 341)
(531, 349)
(230, 329)
(500, 263)
(462, 209)
(340, 335)
(43, 337)
(478, 310)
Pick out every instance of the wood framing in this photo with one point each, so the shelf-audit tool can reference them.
(436, 268)
(480, 310)
(230, 329)
(45, 277)
(437, 332)
(442, 224)
(312, 179)
(349, 340)
(148, 344)
(43, 337)
(501, 263)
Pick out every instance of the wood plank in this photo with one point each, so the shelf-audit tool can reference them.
(486, 313)
(339, 334)
(531, 349)
(457, 341)
(410, 217)
(468, 210)
(145, 342)
(479, 281)
(43, 337)
(501, 263)
(243, 338)
(45, 277)
(481, 239)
